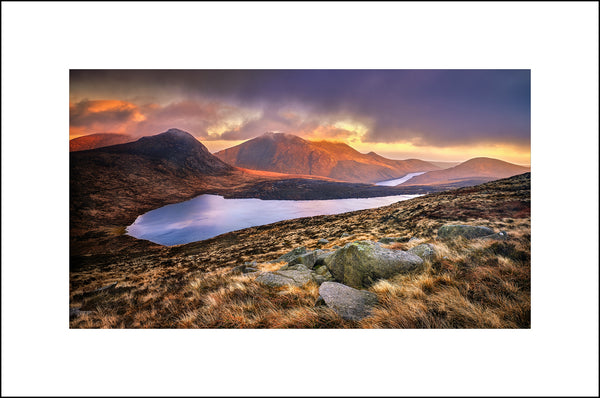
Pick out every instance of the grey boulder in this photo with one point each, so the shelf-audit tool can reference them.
(287, 257)
(360, 264)
(285, 278)
(308, 259)
(425, 251)
(466, 231)
(349, 303)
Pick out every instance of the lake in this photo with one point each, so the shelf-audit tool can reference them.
(207, 216)
(396, 181)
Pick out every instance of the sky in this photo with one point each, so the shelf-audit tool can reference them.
(443, 115)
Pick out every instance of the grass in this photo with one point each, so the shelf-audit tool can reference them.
(469, 284)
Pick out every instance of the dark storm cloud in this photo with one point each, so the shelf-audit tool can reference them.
(425, 107)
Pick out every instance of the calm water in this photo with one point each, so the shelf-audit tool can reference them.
(394, 182)
(210, 215)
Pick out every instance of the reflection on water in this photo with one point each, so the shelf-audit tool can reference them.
(396, 181)
(210, 215)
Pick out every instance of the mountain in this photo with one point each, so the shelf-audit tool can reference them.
(99, 140)
(472, 171)
(111, 186)
(287, 153)
(444, 165)
(176, 148)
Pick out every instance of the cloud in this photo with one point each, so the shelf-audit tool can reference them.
(423, 107)
(103, 116)
(204, 119)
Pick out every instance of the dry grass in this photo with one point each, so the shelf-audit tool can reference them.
(469, 284)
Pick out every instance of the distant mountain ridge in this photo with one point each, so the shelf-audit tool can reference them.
(287, 153)
(99, 140)
(480, 169)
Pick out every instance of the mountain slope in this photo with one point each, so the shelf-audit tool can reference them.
(111, 186)
(286, 153)
(99, 140)
(476, 169)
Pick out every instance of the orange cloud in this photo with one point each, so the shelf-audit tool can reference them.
(102, 116)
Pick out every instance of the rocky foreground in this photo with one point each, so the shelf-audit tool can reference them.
(410, 264)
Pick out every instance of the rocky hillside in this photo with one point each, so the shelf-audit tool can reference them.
(454, 259)
(287, 153)
(111, 186)
(476, 169)
(99, 140)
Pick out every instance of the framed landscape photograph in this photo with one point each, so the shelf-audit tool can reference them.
(300, 198)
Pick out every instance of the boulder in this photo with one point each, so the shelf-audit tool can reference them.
(359, 264)
(292, 254)
(321, 274)
(308, 259)
(349, 303)
(466, 231)
(425, 251)
(502, 235)
(298, 277)
(294, 267)
(322, 256)
(247, 268)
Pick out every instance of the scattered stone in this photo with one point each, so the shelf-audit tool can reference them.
(335, 247)
(274, 280)
(322, 256)
(247, 268)
(389, 239)
(359, 264)
(322, 274)
(349, 303)
(466, 231)
(297, 277)
(502, 235)
(308, 259)
(323, 241)
(425, 251)
(287, 257)
(345, 234)
(294, 267)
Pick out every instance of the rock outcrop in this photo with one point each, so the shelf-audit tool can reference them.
(359, 264)
(349, 303)
(466, 231)
(425, 251)
(293, 277)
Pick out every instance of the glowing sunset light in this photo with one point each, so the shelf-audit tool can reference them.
(446, 115)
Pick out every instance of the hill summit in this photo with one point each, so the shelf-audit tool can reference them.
(287, 153)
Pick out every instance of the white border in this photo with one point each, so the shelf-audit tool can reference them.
(41, 41)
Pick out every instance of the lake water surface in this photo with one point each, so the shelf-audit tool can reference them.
(396, 181)
(206, 216)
